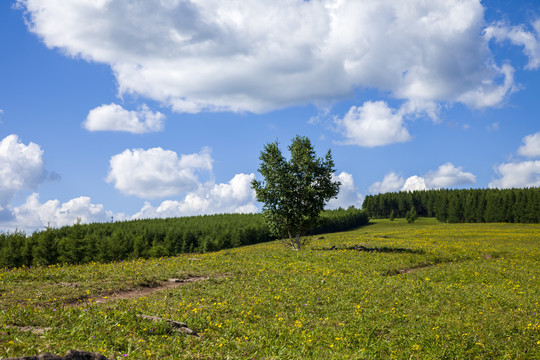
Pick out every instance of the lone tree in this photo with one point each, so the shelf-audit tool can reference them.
(411, 215)
(294, 192)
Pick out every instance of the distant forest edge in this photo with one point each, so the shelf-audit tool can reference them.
(104, 242)
(460, 206)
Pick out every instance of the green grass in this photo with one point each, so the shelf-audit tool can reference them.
(424, 291)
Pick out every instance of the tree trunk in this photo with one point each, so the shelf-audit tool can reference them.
(291, 241)
(297, 246)
(294, 242)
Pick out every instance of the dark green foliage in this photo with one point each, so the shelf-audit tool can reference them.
(455, 208)
(294, 192)
(135, 239)
(12, 247)
(72, 247)
(458, 206)
(340, 220)
(411, 215)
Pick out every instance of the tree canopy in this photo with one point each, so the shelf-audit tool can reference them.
(460, 205)
(294, 191)
(121, 240)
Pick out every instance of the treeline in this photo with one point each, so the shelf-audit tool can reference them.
(104, 242)
(460, 206)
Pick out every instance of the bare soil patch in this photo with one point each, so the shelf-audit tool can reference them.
(171, 283)
(67, 284)
(70, 355)
(141, 292)
(177, 326)
(33, 329)
(409, 270)
(372, 249)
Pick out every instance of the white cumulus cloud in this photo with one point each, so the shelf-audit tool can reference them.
(348, 193)
(34, 215)
(236, 196)
(258, 56)
(448, 175)
(531, 146)
(373, 124)
(518, 35)
(414, 183)
(114, 117)
(156, 172)
(391, 182)
(21, 167)
(517, 175)
(491, 93)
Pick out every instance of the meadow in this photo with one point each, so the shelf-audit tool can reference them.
(389, 290)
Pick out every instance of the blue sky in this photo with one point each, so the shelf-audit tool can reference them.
(124, 109)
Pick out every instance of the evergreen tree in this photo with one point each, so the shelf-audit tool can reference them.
(411, 215)
(71, 248)
(46, 251)
(481, 206)
(470, 206)
(455, 209)
(402, 205)
(474, 205)
(494, 207)
(441, 206)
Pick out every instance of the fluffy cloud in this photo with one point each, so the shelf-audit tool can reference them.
(517, 175)
(491, 94)
(21, 167)
(261, 55)
(448, 175)
(414, 183)
(521, 174)
(531, 146)
(373, 124)
(114, 117)
(518, 35)
(236, 196)
(33, 215)
(348, 193)
(156, 172)
(391, 182)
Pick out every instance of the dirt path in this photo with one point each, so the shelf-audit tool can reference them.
(129, 294)
(140, 292)
(418, 267)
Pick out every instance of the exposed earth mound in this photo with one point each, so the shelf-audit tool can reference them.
(70, 355)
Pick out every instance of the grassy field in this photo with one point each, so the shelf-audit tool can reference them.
(388, 290)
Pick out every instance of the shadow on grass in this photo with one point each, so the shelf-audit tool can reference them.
(367, 248)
